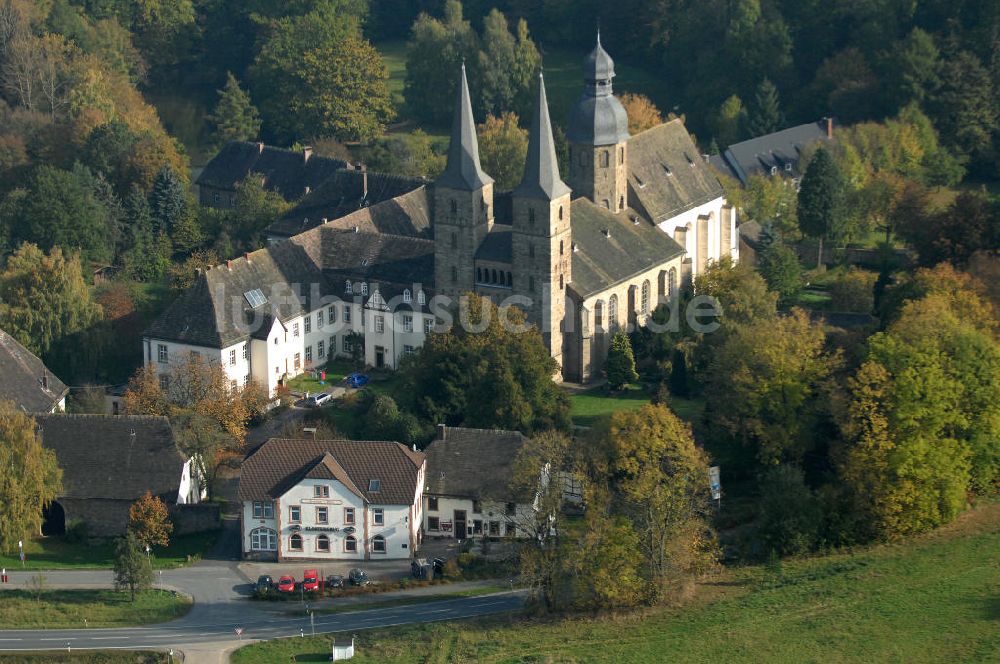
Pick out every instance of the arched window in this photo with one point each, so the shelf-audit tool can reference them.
(613, 311)
(364, 288)
(621, 202)
(560, 282)
(454, 241)
(454, 207)
(494, 277)
(421, 298)
(560, 247)
(350, 544)
(510, 280)
(621, 155)
(598, 315)
(263, 539)
(406, 295)
(531, 216)
(672, 283)
(295, 542)
(378, 544)
(479, 274)
(645, 297)
(349, 288)
(605, 158)
(322, 543)
(560, 213)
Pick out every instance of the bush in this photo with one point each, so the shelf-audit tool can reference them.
(466, 559)
(790, 515)
(853, 291)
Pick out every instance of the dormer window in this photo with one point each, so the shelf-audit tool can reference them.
(364, 288)
(774, 170)
(638, 181)
(349, 288)
(666, 169)
(788, 167)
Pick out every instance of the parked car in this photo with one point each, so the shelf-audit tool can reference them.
(359, 577)
(357, 380)
(335, 581)
(310, 580)
(286, 584)
(317, 400)
(419, 568)
(264, 584)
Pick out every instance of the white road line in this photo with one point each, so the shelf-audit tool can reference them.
(108, 638)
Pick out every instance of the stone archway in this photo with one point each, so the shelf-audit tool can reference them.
(54, 519)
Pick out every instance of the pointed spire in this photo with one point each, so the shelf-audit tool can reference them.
(598, 66)
(541, 168)
(463, 170)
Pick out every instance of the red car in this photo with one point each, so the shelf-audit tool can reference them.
(310, 580)
(286, 584)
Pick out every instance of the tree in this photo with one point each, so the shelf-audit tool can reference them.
(790, 515)
(418, 155)
(172, 210)
(853, 290)
(433, 55)
(183, 275)
(620, 367)
(235, 118)
(149, 521)
(965, 107)
(209, 446)
(911, 70)
(147, 255)
(44, 299)
(132, 567)
(507, 66)
(255, 208)
(765, 114)
(642, 113)
(503, 147)
(820, 207)
(742, 294)
(316, 76)
(31, 479)
(779, 265)
(484, 373)
(729, 122)
(970, 224)
(767, 386)
(768, 200)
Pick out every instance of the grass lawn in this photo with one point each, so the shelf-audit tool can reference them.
(587, 407)
(19, 609)
(336, 370)
(91, 657)
(57, 553)
(930, 599)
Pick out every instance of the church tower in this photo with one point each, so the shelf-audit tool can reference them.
(463, 203)
(598, 136)
(541, 240)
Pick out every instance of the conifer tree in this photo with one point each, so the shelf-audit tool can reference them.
(766, 113)
(132, 567)
(235, 117)
(820, 205)
(620, 367)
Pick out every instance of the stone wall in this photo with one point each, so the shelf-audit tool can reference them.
(195, 518)
(104, 518)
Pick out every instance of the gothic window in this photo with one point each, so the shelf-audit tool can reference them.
(598, 314)
(560, 247)
(605, 158)
(645, 297)
(494, 279)
(510, 280)
(672, 283)
(621, 155)
(613, 311)
(560, 282)
(560, 213)
(479, 275)
(531, 284)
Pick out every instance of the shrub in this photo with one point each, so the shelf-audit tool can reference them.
(854, 291)
(76, 531)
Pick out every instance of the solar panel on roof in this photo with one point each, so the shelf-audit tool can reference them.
(255, 298)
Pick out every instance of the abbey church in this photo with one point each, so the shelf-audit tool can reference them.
(635, 220)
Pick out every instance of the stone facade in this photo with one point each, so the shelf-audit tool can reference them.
(598, 172)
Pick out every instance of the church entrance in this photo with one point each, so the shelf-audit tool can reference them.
(54, 519)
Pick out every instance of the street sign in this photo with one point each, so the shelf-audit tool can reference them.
(239, 632)
(713, 482)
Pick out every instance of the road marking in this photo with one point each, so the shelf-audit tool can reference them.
(108, 638)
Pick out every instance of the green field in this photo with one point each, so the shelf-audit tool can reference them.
(57, 553)
(932, 599)
(91, 657)
(20, 609)
(587, 407)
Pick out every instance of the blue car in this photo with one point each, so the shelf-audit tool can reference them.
(357, 380)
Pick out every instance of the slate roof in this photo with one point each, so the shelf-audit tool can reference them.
(100, 458)
(214, 311)
(473, 463)
(463, 171)
(667, 175)
(394, 204)
(281, 463)
(25, 380)
(598, 118)
(599, 261)
(781, 150)
(286, 171)
(498, 245)
(541, 168)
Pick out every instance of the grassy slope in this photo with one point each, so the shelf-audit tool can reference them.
(587, 407)
(55, 553)
(91, 657)
(932, 599)
(101, 608)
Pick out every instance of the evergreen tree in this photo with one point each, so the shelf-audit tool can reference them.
(765, 116)
(964, 106)
(620, 367)
(168, 201)
(820, 204)
(235, 118)
(679, 374)
(779, 265)
(132, 567)
(147, 254)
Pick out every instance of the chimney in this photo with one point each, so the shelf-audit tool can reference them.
(307, 152)
(229, 265)
(442, 432)
(325, 220)
(260, 148)
(829, 128)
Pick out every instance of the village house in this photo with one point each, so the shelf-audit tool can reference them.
(331, 500)
(638, 219)
(26, 381)
(775, 154)
(109, 462)
(467, 492)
